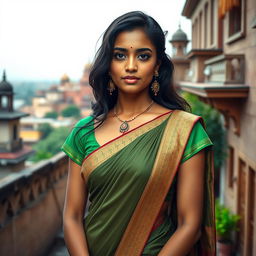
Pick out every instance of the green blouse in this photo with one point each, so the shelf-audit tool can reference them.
(78, 145)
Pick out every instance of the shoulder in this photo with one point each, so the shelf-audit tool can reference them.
(186, 117)
(84, 121)
(82, 127)
(185, 114)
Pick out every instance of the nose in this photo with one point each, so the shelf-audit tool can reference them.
(131, 65)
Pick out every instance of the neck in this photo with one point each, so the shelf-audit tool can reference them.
(129, 106)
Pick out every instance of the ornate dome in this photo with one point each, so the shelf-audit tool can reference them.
(179, 35)
(5, 87)
(65, 78)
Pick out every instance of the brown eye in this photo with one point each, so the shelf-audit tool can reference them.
(119, 56)
(144, 57)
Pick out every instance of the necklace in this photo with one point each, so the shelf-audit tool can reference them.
(124, 127)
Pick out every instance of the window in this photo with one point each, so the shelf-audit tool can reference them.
(252, 209)
(4, 102)
(241, 203)
(200, 31)
(231, 167)
(195, 34)
(212, 21)
(194, 29)
(15, 133)
(205, 25)
(236, 22)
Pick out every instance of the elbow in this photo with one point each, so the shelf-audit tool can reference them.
(70, 220)
(194, 231)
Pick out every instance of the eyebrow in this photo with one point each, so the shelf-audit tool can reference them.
(137, 50)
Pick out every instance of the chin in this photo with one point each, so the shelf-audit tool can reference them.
(133, 90)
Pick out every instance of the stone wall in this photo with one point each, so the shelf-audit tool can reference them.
(31, 204)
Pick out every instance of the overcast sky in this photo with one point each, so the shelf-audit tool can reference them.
(43, 39)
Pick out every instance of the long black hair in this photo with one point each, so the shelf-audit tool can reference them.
(99, 74)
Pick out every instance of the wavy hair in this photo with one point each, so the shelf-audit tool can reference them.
(99, 74)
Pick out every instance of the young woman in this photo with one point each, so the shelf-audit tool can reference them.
(141, 159)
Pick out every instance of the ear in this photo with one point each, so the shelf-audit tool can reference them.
(158, 64)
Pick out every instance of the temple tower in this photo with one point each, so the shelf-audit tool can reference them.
(179, 43)
(12, 152)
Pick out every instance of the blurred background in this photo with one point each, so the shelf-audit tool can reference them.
(46, 51)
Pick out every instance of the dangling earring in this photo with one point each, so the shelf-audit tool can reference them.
(111, 87)
(155, 85)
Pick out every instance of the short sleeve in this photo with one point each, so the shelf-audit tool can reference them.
(197, 141)
(73, 145)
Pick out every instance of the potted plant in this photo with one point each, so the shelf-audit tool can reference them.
(226, 224)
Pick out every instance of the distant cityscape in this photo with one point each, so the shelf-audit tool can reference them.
(48, 111)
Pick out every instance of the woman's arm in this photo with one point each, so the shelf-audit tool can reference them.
(73, 215)
(190, 196)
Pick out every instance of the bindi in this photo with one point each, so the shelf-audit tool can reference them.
(131, 47)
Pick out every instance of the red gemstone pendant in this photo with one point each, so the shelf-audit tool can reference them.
(124, 127)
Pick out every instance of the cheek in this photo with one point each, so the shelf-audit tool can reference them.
(114, 69)
(149, 72)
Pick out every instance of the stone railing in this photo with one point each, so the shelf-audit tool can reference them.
(31, 204)
(225, 69)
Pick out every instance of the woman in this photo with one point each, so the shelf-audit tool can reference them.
(140, 159)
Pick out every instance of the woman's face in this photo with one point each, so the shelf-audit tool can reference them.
(134, 62)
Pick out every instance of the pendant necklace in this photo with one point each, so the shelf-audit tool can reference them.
(124, 127)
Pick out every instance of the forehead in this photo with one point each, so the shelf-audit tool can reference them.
(136, 38)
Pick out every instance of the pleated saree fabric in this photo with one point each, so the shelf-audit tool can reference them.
(118, 175)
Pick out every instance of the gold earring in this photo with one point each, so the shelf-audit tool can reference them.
(111, 87)
(155, 85)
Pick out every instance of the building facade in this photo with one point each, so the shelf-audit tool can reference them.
(12, 151)
(222, 73)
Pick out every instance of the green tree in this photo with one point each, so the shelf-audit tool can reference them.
(52, 114)
(51, 144)
(41, 155)
(213, 124)
(71, 111)
(45, 129)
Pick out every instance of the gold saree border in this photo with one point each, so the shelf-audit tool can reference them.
(170, 152)
(104, 152)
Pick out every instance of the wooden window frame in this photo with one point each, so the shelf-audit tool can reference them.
(240, 34)
(251, 209)
(206, 26)
(212, 14)
(249, 166)
(200, 31)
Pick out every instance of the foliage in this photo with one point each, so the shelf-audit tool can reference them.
(41, 155)
(71, 111)
(51, 144)
(213, 124)
(226, 222)
(52, 114)
(45, 129)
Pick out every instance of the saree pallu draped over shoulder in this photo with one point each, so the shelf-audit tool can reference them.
(128, 180)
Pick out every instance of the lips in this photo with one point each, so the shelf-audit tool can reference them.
(131, 79)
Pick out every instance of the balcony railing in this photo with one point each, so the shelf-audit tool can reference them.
(11, 146)
(31, 203)
(225, 69)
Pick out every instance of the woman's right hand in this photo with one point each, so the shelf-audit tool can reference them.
(74, 210)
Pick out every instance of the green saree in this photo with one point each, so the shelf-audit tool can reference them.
(116, 175)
